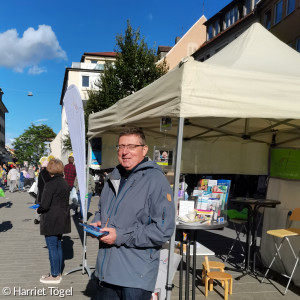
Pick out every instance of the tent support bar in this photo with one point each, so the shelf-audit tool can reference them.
(210, 130)
(176, 188)
(226, 132)
(246, 132)
(162, 134)
(272, 126)
(288, 141)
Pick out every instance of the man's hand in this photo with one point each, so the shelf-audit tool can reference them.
(96, 224)
(110, 238)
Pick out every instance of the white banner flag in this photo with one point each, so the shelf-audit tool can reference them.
(75, 118)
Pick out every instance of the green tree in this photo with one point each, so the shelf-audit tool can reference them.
(135, 67)
(66, 143)
(30, 146)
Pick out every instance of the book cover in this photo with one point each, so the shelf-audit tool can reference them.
(224, 186)
(93, 230)
(202, 184)
(202, 203)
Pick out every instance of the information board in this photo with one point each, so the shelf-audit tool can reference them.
(285, 163)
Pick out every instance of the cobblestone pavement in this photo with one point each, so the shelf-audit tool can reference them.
(24, 258)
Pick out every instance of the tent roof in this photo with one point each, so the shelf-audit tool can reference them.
(239, 83)
(260, 51)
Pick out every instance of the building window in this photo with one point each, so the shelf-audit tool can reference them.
(217, 27)
(231, 17)
(278, 12)
(298, 44)
(290, 6)
(93, 61)
(101, 66)
(85, 81)
(267, 19)
(248, 7)
(209, 32)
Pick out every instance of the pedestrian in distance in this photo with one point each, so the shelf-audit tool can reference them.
(70, 172)
(55, 219)
(2, 172)
(70, 175)
(13, 175)
(31, 175)
(21, 180)
(136, 210)
(43, 178)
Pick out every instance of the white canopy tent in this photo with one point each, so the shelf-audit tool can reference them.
(242, 94)
(234, 106)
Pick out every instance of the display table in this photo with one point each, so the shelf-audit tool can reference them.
(253, 206)
(191, 233)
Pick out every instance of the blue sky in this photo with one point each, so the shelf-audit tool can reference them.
(40, 38)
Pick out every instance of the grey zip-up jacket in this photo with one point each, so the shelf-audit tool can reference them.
(143, 214)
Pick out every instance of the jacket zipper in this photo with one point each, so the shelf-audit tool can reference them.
(121, 200)
(102, 265)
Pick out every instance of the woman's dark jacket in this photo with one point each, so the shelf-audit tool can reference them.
(54, 207)
(44, 177)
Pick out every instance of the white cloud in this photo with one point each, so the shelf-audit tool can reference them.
(29, 50)
(40, 120)
(35, 70)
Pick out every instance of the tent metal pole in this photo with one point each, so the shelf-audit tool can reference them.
(84, 260)
(175, 190)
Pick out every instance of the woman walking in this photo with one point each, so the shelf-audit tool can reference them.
(55, 218)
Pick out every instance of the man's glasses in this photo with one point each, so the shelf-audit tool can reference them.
(130, 147)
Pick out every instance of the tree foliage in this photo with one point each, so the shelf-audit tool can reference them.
(135, 67)
(30, 146)
(66, 143)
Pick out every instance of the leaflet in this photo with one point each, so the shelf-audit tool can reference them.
(35, 206)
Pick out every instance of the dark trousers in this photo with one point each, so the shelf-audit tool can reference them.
(114, 292)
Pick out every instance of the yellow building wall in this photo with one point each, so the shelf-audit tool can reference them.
(188, 44)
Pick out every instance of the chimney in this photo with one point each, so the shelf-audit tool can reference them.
(1, 93)
(177, 39)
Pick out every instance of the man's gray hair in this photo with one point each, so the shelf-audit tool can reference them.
(134, 131)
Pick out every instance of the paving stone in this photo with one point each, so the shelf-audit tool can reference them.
(24, 258)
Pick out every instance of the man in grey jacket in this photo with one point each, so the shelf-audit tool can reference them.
(137, 210)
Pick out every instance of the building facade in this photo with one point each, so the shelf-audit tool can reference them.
(184, 46)
(281, 17)
(226, 25)
(83, 75)
(3, 111)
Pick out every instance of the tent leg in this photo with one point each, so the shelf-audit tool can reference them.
(176, 188)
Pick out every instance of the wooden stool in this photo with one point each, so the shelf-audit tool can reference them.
(212, 265)
(220, 276)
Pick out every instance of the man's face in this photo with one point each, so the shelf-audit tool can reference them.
(130, 158)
